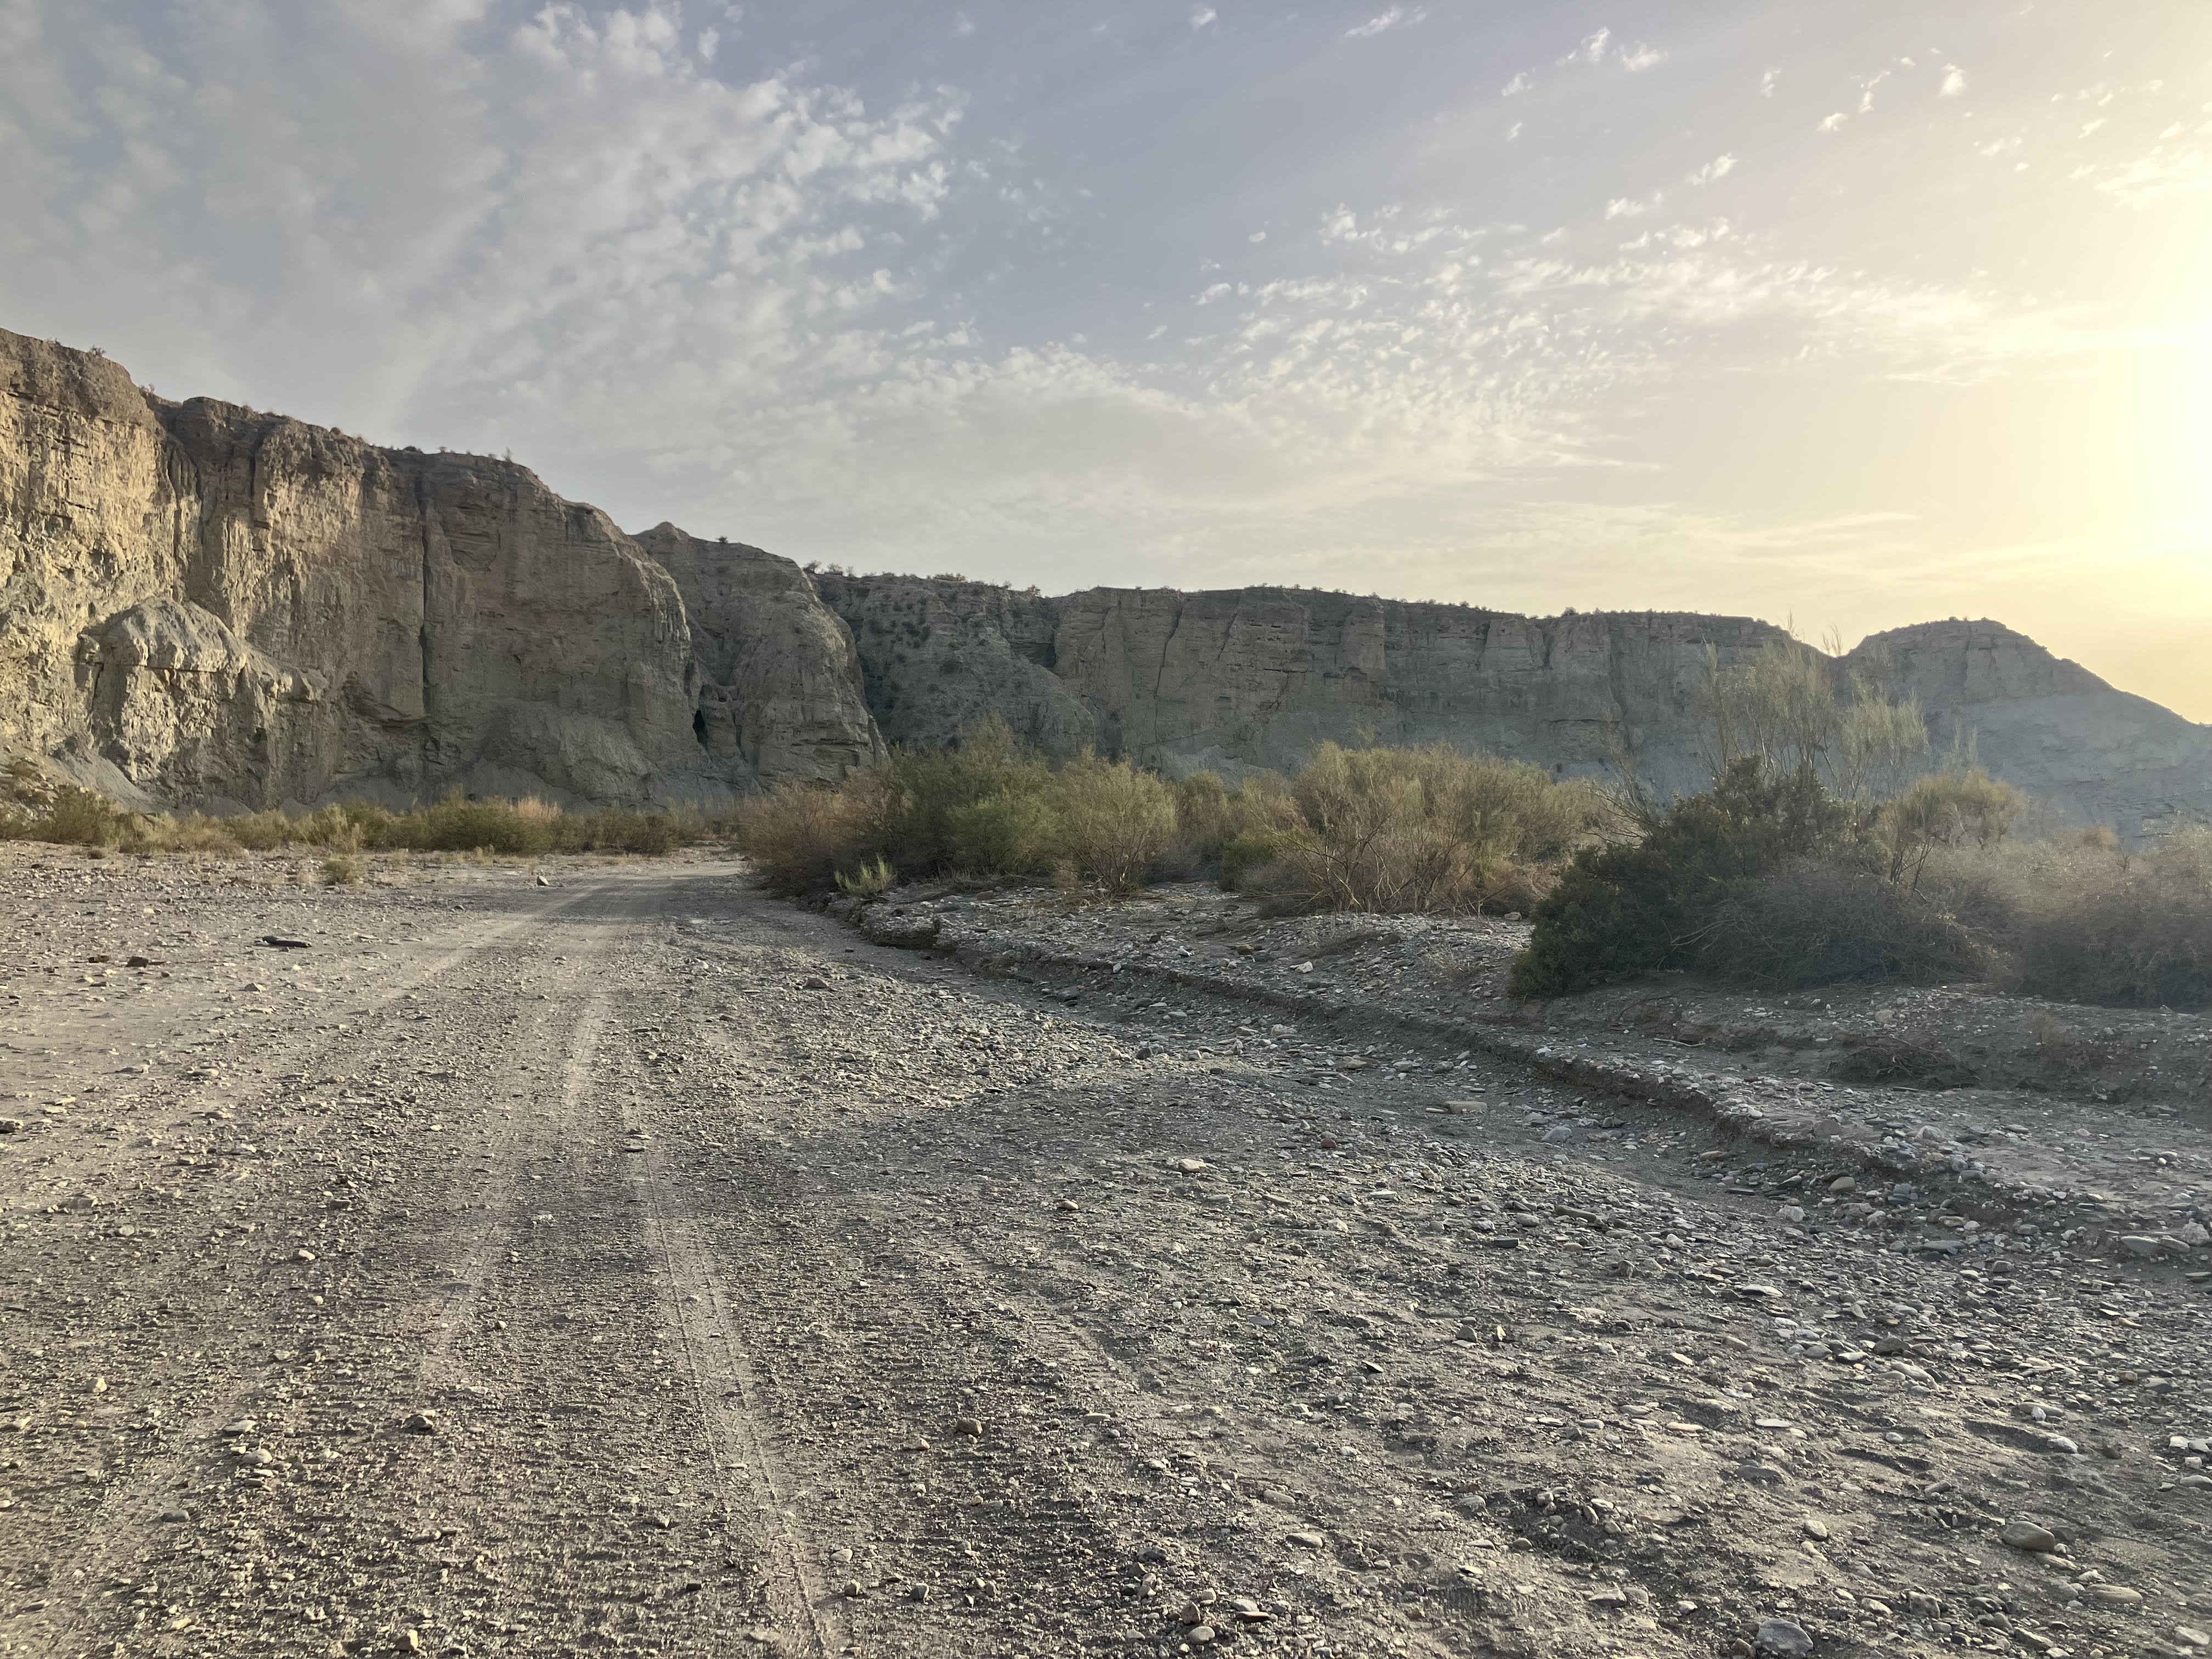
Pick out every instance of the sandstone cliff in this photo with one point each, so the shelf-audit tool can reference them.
(200, 603)
(1257, 677)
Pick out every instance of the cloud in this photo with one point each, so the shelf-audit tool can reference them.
(2166, 173)
(1598, 47)
(1955, 82)
(1388, 19)
(1719, 167)
(1767, 83)
(1832, 123)
(1203, 17)
(1519, 84)
(563, 212)
(1592, 49)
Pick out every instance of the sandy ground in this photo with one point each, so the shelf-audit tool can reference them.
(634, 1264)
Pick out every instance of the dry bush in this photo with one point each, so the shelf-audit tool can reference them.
(1945, 812)
(1815, 922)
(802, 836)
(1115, 822)
(2095, 925)
(81, 817)
(1412, 830)
(342, 870)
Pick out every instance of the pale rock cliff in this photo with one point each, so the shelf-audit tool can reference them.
(2098, 754)
(204, 606)
(1257, 677)
(200, 603)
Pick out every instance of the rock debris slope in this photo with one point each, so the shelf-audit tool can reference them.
(200, 604)
(204, 605)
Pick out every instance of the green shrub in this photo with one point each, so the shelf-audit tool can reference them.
(1009, 832)
(81, 817)
(1246, 854)
(341, 869)
(1622, 911)
(981, 806)
(1946, 810)
(871, 880)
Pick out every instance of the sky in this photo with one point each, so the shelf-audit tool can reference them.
(1848, 317)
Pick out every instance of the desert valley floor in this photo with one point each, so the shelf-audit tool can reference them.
(636, 1264)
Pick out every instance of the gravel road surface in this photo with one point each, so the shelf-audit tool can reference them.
(638, 1264)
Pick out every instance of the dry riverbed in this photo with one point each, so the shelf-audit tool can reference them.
(630, 1263)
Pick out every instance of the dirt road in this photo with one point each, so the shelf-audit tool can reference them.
(638, 1264)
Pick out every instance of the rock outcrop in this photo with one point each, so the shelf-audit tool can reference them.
(2097, 755)
(200, 603)
(1257, 677)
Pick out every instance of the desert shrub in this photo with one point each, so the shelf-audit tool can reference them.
(872, 880)
(2095, 926)
(341, 869)
(83, 817)
(1814, 921)
(1008, 832)
(457, 824)
(982, 806)
(1435, 828)
(1621, 911)
(1789, 708)
(802, 836)
(1244, 855)
(620, 830)
(1116, 822)
(259, 832)
(1946, 810)
(184, 832)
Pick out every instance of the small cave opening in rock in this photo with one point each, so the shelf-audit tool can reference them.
(699, 725)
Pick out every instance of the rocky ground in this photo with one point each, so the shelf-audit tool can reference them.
(624, 1262)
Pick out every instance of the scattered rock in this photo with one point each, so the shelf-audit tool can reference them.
(2026, 1535)
(1783, 1638)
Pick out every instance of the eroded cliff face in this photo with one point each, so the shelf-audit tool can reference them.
(2096, 754)
(1257, 677)
(204, 604)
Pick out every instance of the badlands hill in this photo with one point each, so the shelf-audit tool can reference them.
(202, 605)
